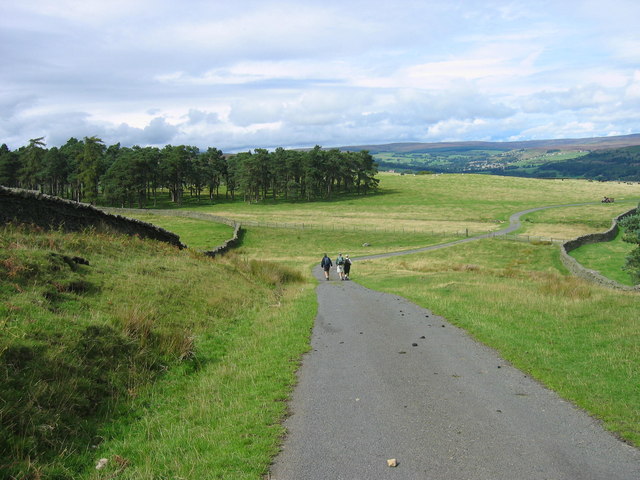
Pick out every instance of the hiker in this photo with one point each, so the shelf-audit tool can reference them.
(326, 264)
(340, 266)
(347, 267)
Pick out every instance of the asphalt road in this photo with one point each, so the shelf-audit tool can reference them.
(387, 379)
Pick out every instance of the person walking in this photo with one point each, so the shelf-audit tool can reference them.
(340, 266)
(347, 267)
(326, 264)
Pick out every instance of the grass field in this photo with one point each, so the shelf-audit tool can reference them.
(606, 258)
(571, 222)
(197, 234)
(224, 336)
(433, 203)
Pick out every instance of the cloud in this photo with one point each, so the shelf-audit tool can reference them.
(196, 117)
(253, 73)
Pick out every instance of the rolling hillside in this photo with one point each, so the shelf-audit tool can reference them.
(593, 143)
(599, 158)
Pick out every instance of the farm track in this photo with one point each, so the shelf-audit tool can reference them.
(514, 224)
(387, 379)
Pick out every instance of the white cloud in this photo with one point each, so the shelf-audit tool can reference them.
(266, 73)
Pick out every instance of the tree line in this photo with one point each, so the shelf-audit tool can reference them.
(88, 171)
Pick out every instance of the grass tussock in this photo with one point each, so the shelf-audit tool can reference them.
(569, 288)
(96, 328)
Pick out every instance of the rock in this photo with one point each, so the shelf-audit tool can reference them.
(366, 244)
(102, 463)
(392, 462)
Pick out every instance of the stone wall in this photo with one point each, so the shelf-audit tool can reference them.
(591, 275)
(25, 206)
(234, 241)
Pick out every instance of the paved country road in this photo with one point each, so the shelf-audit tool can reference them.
(388, 379)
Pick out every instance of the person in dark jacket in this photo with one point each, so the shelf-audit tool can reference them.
(326, 264)
(347, 267)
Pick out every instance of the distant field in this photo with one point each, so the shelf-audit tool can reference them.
(571, 222)
(434, 203)
(409, 211)
(534, 157)
(472, 160)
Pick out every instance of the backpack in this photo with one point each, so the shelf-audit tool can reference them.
(339, 261)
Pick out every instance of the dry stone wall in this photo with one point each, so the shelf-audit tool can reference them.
(25, 206)
(579, 270)
(234, 241)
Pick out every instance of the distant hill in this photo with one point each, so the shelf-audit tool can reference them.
(591, 144)
(615, 164)
(598, 158)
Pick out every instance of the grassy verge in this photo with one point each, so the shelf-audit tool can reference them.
(223, 421)
(576, 338)
(139, 354)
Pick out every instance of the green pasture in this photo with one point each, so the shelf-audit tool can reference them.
(195, 233)
(570, 222)
(306, 248)
(607, 258)
(431, 203)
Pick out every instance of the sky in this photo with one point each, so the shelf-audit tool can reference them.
(241, 74)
